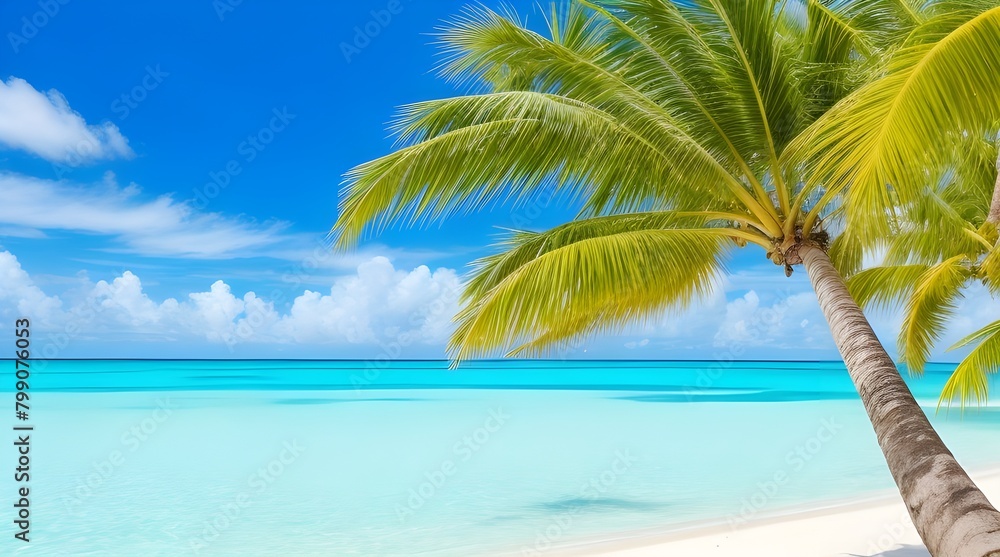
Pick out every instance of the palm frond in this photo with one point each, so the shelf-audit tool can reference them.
(521, 247)
(847, 252)
(745, 33)
(760, 63)
(832, 45)
(471, 151)
(585, 276)
(873, 147)
(914, 246)
(970, 189)
(970, 380)
(990, 267)
(621, 81)
(946, 220)
(659, 45)
(912, 10)
(885, 288)
(936, 227)
(929, 308)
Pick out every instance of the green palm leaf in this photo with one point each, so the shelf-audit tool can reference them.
(848, 251)
(582, 277)
(929, 308)
(990, 268)
(484, 45)
(656, 40)
(969, 382)
(832, 42)
(759, 63)
(470, 151)
(885, 288)
(872, 148)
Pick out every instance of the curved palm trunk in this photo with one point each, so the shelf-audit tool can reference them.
(951, 514)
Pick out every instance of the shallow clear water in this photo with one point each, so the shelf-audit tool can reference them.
(408, 458)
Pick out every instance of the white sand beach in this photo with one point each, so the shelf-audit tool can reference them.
(871, 528)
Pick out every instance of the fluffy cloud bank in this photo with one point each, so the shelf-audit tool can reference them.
(793, 321)
(377, 309)
(376, 306)
(45, 125)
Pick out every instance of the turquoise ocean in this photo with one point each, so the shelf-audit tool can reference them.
(393, 458)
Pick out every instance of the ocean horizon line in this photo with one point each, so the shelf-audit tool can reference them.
(484, 360)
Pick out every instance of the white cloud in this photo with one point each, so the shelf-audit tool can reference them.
(152, 227)
(20, 297)
(376, 306)
(632, 345)
(124, 299)
(20, 232)
(380, 309)
(795, 321)
(787, 322)
(45, 125)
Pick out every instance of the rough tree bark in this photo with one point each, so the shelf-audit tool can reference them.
(951, 514)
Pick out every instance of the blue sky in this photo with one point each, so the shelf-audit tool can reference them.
(170, 170)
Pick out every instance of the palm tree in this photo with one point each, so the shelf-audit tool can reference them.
(686, 129)
(947, 241)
